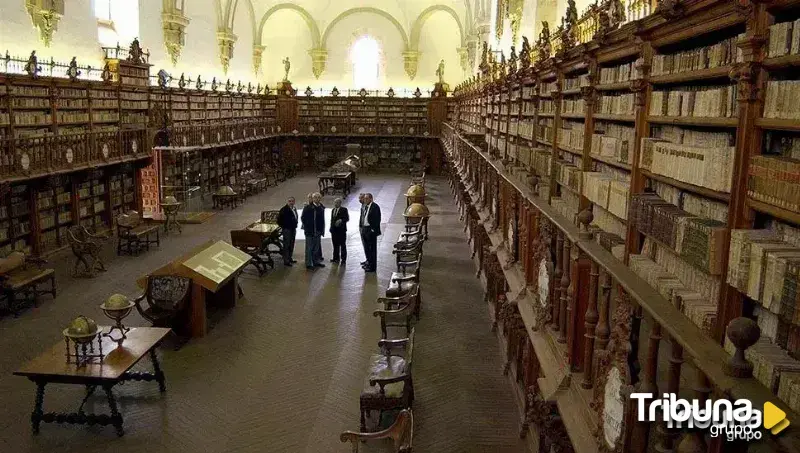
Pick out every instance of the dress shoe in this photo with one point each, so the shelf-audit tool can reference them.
(363, 263)
(319, 265)
(311, 268)
(294, 261)
(334, 261)
(344, 260)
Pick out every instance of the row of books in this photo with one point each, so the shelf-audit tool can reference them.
(705, 167)
(573, 105)
(30, 103)
(775, 180)
(722, 53)
(693, 204)
(698, 241)
(614, 74)
(782, 99)
(717, 102)
(701, 311)
(571, 135)
(576, 82)
(567, 204)
(782, 144)
(608, 192)
(784, 39)
(613, 141)
(623, 104)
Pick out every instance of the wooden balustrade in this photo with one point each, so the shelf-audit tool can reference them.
(596, 315)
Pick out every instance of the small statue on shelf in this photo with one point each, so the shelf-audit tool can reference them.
(182, 82)
(525, 54)
(249, 87)
(228, 85)
(239, 87)
(135, 52)
(32, 66)
(72, 70)
(106, 73)
(417, 93)
(199, 85)
(286, 66)
(214, 84)
(258, 89)
(512, 60)
(440, 72)
(163, 78)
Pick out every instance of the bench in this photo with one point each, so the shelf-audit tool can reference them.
(389, 384)
(134, 233)
(21, 279)
(401, 432)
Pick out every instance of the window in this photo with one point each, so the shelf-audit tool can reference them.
(126, 27)
(365, 55)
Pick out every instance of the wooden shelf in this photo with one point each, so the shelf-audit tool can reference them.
(786, 61)
(692, 76)
(610, 117)
(708, 193)
(616, 86)
(574, 116)
(775, 211)
(778, 124)
(610, 162)
(694, 121)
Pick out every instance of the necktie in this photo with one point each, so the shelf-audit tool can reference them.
(363, 213)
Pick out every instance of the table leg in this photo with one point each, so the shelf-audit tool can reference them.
(159, 374)
(36, 415)
(116, 417)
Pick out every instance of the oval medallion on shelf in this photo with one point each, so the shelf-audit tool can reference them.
(278, 128)
(219, 137)
(134, 146)
(106, 151)
(202, 139)
(310, 128)
(184, 140)
(333, 128)
(231, 135)
(25, 161)
(544, 283)
(361, 129)
(244, 132)
(410, 130)
(613, 408)
(264, 130)
(69, 155)
(389, 129)
(425, 134)
(254, 132)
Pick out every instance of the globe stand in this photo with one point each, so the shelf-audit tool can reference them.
(81, 350)
(117, 314)
(122, 330)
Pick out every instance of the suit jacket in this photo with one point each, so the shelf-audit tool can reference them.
(286, 218)
(374, 219)
(343, 215)
(313, 218)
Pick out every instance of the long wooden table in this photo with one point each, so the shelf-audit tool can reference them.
(51, 367)
(331, 182)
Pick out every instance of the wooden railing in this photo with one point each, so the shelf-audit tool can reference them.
(26, 157)
(583, 317)
(215, 133)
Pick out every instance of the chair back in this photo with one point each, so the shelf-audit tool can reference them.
(242, 239)
(168, 292)
(269, 216)
(77, 235)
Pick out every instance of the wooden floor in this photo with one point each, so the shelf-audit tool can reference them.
(282, 371)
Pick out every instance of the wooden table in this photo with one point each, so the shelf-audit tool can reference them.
(270, 235)
(214, 268)
(331, 182)
(52, 367)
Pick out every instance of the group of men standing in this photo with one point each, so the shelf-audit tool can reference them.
(312, 221)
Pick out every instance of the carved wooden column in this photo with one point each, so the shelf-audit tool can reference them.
(603, 330)
(667, 437)
(566, 294)
(557, 274)
(648, 384)
(590, 321)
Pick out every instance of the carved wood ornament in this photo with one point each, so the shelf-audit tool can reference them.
(613, 372)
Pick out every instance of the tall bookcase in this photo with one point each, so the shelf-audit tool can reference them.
(679, 133)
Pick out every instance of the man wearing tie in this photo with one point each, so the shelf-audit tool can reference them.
(287, 220)
(313, 218)
(339, 219)
(370, 225)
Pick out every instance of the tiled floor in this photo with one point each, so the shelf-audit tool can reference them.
(282, 371)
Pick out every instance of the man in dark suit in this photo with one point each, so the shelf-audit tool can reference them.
(313, 218)
(370, 225)
(339, 219)
(361, 202)
(287, 220)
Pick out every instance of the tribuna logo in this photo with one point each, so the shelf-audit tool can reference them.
(737, 420)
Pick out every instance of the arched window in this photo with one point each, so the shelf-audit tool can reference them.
(366, 55)
(117, 21)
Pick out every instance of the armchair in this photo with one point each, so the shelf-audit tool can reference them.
(86, 248)
(401, 432)
(397, 311)
(389, 383)
(165, 301)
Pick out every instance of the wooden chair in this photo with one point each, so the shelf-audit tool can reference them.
(389, 384)
(133, 233)
(165, 301)
(86, 248)
(21, 277)
(401, 432)
(253, 244)
(398, 311)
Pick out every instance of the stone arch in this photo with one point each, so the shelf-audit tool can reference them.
(365, 9)
(230, 12)
(416, 29)
(312, 24)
